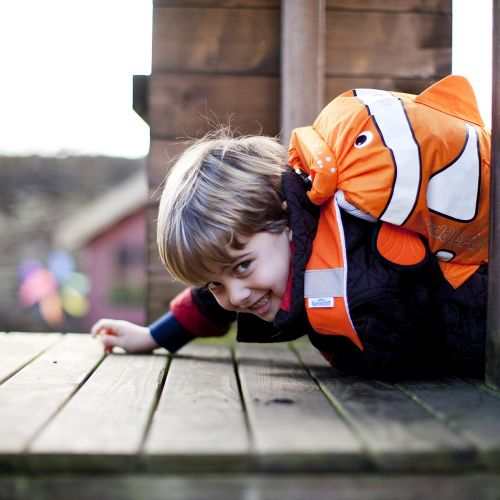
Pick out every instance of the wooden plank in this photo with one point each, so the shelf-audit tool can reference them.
(292, 423)
(443, 6)
(464, 407)
(200, 414)
(18, 349)
(399, 433)
(236, 4)
(363, 5)
(109, 415)
(303, 45)
(161, 290)
(405, 45)
(32, 396)
(189, 105)
(337, 85)
(493, 322)
(162, 154)
(216, 40)
(161, 286)
(252, 486)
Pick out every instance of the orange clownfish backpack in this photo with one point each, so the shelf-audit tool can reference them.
(418, 164)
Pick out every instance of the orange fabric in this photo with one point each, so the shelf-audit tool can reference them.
(398, 245)
(328, 253)
(442, 134)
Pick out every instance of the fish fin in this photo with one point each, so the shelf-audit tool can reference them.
(454, 96)
(456, 274)
(399, 246)
(309, 153)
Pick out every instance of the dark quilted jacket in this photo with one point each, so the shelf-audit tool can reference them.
(409, 322)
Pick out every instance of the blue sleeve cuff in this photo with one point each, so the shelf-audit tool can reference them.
(168, 333)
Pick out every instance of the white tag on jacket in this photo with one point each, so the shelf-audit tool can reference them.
(317, 302)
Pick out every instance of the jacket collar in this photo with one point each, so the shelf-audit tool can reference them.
(291, 323)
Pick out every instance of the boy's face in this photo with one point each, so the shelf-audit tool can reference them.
(255, 281)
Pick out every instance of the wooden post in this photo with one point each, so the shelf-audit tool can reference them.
(493, 328)
(302, 63)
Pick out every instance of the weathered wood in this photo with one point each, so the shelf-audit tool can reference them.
(443, 6)
(236, 4)
(399, 433)
(18, 349)
(252, 486)
(200, 414)
(32, 396)
(216, 40)
(110, 413)
(338, 85)
(162, 154)
(184, 106)
(363, 5)
(469, 411)
(162, 288)
(302, 63)
(291, 421)
(493, 321)
(392, 45)
(57, 414)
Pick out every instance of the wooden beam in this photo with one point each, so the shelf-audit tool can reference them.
(493, 325)
(302, 63)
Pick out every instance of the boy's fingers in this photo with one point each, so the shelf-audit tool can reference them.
(103, 327)
(96, 328)
(110, 341)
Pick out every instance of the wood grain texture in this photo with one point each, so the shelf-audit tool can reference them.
(292, 423)
(410, 45)
(200, 410)
(253, 486)
(337, 85)
(443, 6)
(302, 63)
(110, 413)
(399, 433)
(464, 407)
(493, 314)
(18, 349)
(216, 40)
(190, 105)
(363, 5)
(162, 154)
(230, 4)
(32, 396)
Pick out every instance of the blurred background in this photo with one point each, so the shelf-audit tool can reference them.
(99, 95)
(73, 162)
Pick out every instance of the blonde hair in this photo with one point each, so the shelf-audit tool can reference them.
(220, 188)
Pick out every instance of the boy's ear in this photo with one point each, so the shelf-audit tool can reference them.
(284, 205)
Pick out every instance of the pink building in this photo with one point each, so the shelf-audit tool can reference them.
(109, 237)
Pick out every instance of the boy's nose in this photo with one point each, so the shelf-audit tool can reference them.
(238, 294)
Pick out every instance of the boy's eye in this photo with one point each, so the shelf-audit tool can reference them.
(242, 267)
(212, 285)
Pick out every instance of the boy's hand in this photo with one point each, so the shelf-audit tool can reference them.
(129, 336)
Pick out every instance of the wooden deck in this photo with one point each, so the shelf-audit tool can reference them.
(228, 417)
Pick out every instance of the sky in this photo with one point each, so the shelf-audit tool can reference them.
(67, 65)
(472, 48)
(66, 76)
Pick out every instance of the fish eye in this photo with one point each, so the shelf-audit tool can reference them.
(363, 139)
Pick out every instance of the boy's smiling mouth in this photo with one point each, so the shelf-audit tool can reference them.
(260, 307)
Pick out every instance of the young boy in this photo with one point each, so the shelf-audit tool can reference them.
(236, 223)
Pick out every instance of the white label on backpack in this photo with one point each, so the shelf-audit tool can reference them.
(317, 302)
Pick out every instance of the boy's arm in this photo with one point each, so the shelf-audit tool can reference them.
(193, 313)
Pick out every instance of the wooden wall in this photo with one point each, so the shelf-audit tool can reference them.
(219, 60)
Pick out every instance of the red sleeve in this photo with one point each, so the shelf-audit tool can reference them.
(189, 315)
